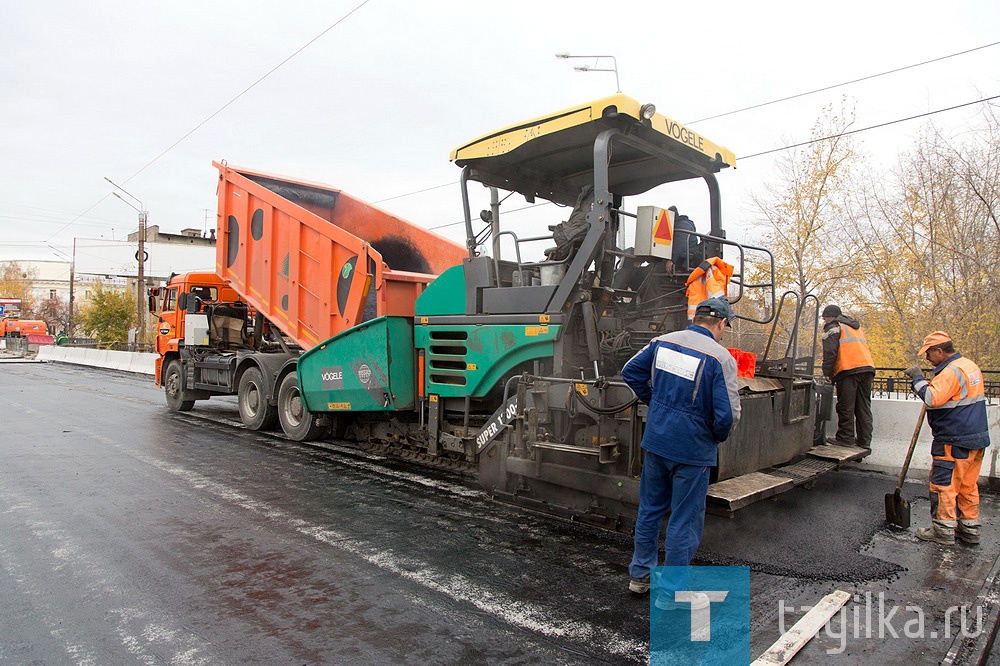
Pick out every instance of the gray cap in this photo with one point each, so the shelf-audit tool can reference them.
(716, 307)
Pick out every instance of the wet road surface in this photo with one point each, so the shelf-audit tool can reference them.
(129, 534)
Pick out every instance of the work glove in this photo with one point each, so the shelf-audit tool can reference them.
(914, 372)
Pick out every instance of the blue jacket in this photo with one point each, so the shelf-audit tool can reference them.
(689, 382)
(956, 405)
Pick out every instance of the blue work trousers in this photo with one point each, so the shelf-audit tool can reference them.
(680, 488)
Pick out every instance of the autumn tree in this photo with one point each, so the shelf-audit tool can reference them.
(109, 315)
(927, 242)
(16, 281)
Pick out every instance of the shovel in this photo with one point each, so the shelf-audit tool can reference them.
(897, 509)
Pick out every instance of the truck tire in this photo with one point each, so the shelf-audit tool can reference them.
(173, 388)
(297, 423)
(256, 412)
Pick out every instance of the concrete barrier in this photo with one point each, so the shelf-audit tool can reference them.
(141, 363)
(894, 422)
(118, 360)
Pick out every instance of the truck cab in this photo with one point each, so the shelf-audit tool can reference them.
(183, 293)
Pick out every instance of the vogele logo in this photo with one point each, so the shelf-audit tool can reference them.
(699, 615)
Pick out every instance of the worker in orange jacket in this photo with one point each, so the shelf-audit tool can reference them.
(848, 363)
(956, 413)
(709, 280)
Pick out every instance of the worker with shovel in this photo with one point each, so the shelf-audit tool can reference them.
(956, 413)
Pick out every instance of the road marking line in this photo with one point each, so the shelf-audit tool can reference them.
(459, 588)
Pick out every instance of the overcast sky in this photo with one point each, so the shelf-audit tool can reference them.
(375, 105)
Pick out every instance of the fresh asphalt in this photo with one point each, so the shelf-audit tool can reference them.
(129, 534)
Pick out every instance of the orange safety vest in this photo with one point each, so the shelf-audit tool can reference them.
(854, 352)
(962, 385)
(709, 280)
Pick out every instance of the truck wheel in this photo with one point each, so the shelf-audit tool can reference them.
(255, 410)
(298, 423)
(173, 388)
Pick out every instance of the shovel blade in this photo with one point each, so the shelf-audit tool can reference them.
(897, 510)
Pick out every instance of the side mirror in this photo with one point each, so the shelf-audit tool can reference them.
(182, 302)
(151, 303)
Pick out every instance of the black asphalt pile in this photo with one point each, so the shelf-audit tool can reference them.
(814, 534)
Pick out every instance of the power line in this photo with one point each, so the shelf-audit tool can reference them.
(399, 196)
(220, 110)
(865, 129)
(514, 210)
(409, 194)
(248, 89)
(837, 85)
(797, 145)
(775, 101)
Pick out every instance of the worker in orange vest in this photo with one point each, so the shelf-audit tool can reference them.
(848, 363)
(956, 413)
(710, 279)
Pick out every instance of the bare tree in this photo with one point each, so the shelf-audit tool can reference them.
(54, 312)
(928, 241)
(801, 209)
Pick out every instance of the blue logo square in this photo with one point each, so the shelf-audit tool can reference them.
(699, 615)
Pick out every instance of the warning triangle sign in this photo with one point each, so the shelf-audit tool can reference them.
(662, 233)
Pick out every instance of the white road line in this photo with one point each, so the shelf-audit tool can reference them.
(517, 613)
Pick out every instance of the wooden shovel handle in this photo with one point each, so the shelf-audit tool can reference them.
(913, 445)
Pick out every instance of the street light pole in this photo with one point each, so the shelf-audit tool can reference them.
(72, 282)
(140, 257)
(597, 58)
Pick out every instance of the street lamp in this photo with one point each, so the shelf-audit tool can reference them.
(594, 67)
(140, 257)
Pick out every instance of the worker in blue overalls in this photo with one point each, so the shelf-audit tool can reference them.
(689, 382)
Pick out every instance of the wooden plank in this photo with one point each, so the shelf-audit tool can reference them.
(727, 496)
(748, 484)
(839, 453)
(802, 631)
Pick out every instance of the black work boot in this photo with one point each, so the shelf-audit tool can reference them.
(968, 532)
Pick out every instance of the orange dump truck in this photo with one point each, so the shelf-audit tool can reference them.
(296, 263)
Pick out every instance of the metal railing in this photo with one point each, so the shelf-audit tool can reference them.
(892, 383)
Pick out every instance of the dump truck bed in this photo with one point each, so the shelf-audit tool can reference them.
(316, 261)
